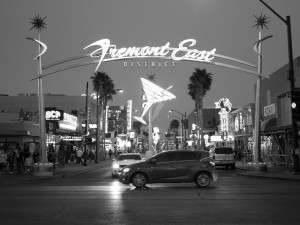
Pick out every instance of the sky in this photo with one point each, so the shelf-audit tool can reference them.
(226, 25)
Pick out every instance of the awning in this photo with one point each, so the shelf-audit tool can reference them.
(269, 124)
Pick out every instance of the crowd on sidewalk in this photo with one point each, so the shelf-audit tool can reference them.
(15, 160)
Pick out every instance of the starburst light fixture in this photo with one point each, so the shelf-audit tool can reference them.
(38, 23)
(261, 21)
(151, 77)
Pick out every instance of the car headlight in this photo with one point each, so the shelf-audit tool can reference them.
(126, 170)
(116, 166)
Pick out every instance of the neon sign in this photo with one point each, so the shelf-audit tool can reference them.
(108, 52)
(184, 52)
(225, 105)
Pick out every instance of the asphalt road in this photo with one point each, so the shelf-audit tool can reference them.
(96, 198)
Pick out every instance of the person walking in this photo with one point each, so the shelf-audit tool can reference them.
(3, 159)
(11, 157)
(79, 154)
(27, 159)
(19, 159)
(35, 156)
(110, 153)
(61, 156)
(53, 157)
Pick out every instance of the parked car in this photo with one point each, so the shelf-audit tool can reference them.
(175, 166)
(223, 156)
(123, 160)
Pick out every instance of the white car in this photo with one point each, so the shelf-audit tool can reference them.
(124, 160)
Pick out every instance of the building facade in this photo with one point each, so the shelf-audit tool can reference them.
(19, 122)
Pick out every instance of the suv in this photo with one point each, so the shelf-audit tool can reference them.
(176, 166)
(223, 156)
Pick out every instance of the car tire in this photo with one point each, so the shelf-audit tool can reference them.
(139, 180)
(233, 166)
(202, 179)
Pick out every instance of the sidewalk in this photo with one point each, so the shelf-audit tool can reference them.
(68, 170)
(272, 173)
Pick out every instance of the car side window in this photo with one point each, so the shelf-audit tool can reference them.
(187, 156)
(165, 157)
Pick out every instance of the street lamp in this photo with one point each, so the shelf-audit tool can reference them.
(291, 78)
(182, 121)
(39, 24)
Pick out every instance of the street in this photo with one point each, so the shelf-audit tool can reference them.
(96, 198)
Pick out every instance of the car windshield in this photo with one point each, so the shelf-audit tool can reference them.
(124, 157)
(223, 151)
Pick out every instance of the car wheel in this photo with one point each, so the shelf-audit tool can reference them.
(139, 180)
(203, 179)
(233, 166)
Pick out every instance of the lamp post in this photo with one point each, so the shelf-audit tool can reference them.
(183, 121)
(43, 169)
(291, 78)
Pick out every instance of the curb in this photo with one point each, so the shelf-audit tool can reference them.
(269, 176)
(62, 175)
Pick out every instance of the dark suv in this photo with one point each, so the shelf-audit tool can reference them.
(176, 166)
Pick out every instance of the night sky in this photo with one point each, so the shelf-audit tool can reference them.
(226, 25)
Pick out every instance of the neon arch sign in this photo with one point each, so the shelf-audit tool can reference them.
(184, 52)
(108, 52)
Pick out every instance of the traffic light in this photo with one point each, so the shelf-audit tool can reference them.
(295, 104)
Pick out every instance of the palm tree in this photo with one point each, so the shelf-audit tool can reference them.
(174, 124)
(200, 83)
(104, 87)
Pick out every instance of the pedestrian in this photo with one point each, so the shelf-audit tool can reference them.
(11, 157)
(110, 153)
(61, 156)
(3, 159)
(91, 155)
(79, 154)
(28, 159)
(36, 156)
(19, 159)
(54, 158)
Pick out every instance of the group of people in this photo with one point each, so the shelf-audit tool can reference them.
(16, 158)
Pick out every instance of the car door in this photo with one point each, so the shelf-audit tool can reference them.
(184, 165)
(163, 170)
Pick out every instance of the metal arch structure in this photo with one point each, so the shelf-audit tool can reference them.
(108, 52)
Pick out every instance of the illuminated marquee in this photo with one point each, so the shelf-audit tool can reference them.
(225, 105)
(129, 114)
(68, 123)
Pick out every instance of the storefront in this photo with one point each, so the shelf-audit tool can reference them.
(25, 134)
